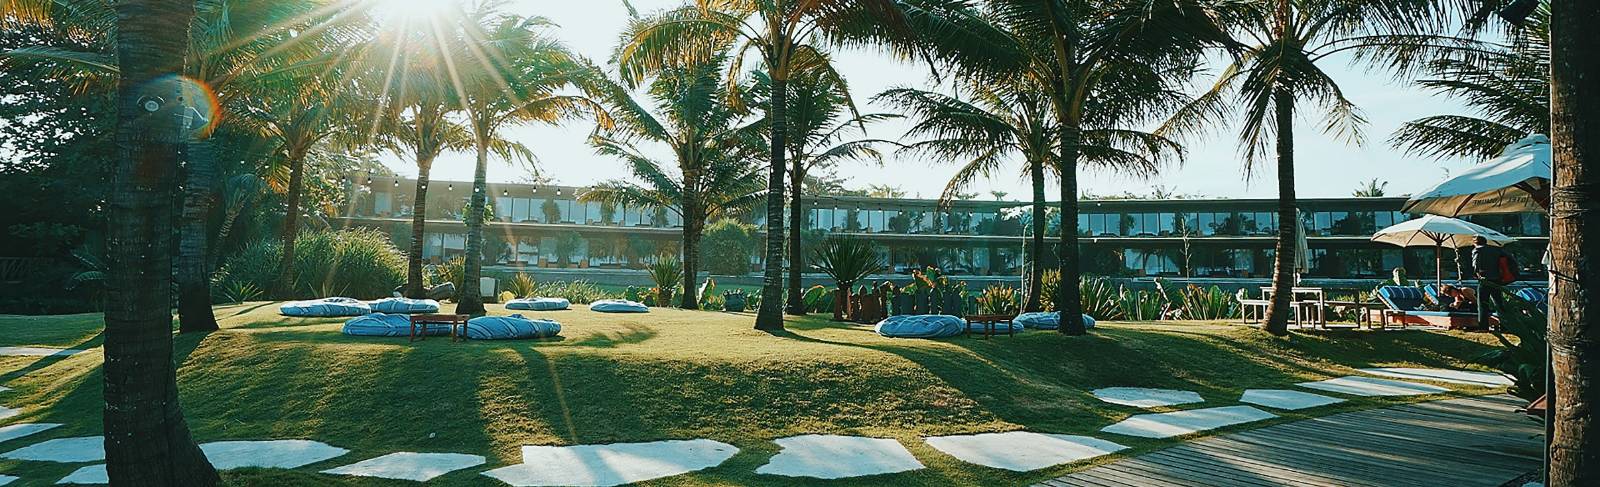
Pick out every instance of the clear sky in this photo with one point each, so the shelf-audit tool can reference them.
(1326, 167)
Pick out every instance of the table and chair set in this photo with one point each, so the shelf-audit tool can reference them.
(1310, 307)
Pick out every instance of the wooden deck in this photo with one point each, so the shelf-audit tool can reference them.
(1464, 442)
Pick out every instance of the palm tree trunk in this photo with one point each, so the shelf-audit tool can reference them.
(693, 224)
(468, 300)
(797, 305)
(147, 441)
(291, 223)
(419, 218)
(1574, 443)
(770, 316)
(1035, 302)
(194, 285)
(1277, 322)
(1069, 303)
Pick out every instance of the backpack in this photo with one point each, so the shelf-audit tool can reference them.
(1508, 269)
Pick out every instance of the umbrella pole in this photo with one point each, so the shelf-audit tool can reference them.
(1438, 266)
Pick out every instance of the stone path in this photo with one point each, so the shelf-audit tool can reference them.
(837, 457)
(1286, 399)
(227, 455)
(6, 479)
(62, 450)
(1368, 386)
(1178, 423)
(6, 412)
(1463, 377)
(419, 467)
(12, 432)
(1141, 397)
(1022, 451)
(37, 351)
(614, 464)
(93, 475)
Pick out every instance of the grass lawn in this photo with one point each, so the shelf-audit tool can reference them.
(677, 374)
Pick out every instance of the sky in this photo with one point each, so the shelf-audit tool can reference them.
(1325, 166)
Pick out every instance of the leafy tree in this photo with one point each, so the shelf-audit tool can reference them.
(728, 246)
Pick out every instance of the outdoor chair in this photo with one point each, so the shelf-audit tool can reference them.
(1405, 307)
(1536, 296)
(1248, 304)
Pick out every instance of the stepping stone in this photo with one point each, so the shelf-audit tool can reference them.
(1286, 399)
(93, 474)
(419, 467)
(12, 432)
(226, 455)
(1167, 425)
(613, 464)
(3, 389)
(36, 351)
(837, 457)
(81, 449)
(1464, 377)
(1022, 451)
(6, 479)
(6, 412)
(1369, 386)
(1141, 397)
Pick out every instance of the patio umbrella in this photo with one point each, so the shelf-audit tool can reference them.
(1438, 232)
(1517, 181)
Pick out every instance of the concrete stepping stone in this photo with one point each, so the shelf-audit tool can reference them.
(3, 389)
(1286, 399)
(6, 412)
(36, 351)
(93, 474)
(837, 457)
(1142, 397)
(6, 479)
(226, 455)
(81, 449)
(12, 432)
(1464, 377)
(613, 464)
(1022, 451)
(420, 467)
(1167, 425)
(1370, 386)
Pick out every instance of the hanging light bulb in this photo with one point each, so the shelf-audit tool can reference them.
(397, 183)
(450, 187)
(505, 193)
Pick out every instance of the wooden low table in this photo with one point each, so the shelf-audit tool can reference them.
(989, 323)
(421, 322)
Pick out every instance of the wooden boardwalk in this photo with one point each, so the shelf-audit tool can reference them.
(1466, 442)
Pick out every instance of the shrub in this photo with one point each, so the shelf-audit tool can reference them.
(358, 263)
(453, 271)
(998, 300)
(727, 247)
(1196, 303)
(521, 286)
(667, 272)
(818, 299)
(578, 292)
(1100, 300)
(1522, 360)
(1049, 282)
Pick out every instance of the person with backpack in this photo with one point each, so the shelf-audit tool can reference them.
(1495, 269)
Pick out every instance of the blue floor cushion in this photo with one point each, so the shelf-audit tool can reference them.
(404, 306)
(326, 307)
(1012, 327)
(618, 306)
(539, 304)
(389, 325)
(510, 328)
(921, 326)
(1041, 320)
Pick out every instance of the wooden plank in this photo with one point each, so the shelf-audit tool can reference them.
(1153, 477)
(1255, 458)
(1209, 474)
(1280, 457)
(1238, 470)
(1381, 465)
(1425, 452)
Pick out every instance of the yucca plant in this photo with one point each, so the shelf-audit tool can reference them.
(666, 273)
(1101, 301)
(998, 300)
(1141, 305)
(522, 285)
(847, 260)
(1207, 304)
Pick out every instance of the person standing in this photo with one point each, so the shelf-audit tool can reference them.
(1494, 270)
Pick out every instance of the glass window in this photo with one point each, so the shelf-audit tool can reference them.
(1083, 224)
(1248, 225)
(1322, 223)
(1166, 224)
(503, 208)
(1135, 224)
(1206, 223)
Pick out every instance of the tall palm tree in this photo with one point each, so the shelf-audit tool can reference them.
(1275, 67)
(711, 149)
(147, 441)
(790, 36)
(505, 70)
(822, 122)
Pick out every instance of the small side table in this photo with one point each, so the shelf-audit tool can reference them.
(421, 322)
(989, 323)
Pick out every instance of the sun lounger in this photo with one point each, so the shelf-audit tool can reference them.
(1405, 307)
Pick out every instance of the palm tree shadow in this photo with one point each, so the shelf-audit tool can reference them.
(49, 360)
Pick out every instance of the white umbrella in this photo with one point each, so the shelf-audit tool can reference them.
(1517, 181)
(1438, 232)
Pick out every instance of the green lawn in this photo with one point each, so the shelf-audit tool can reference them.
(676, 375)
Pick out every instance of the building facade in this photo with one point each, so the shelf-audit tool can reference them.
(545, 226)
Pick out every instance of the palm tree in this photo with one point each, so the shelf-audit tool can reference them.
(819, 137)
(711, 150)
(789, 37)
(507, 73)
(1276, 66)
(1371, 189)
(147, 441)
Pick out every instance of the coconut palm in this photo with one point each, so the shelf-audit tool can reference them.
(790, 37)
(1276, 66)
(711, 152)
(507, 70)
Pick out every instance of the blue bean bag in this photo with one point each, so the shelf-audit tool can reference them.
(324, 308)
(1047, 321)
(921, 326)
(539, 304)
(404, 306)
(618, 306)
(389, 325)
(1012, 327)
(510, 328)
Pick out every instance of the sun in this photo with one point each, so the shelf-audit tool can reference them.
(401, 13)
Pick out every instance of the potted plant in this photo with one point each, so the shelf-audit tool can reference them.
(733, 301)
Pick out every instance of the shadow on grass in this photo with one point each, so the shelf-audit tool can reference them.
(632, 334)
(48, 360)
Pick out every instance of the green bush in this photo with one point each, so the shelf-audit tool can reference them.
(453, 271)
(521, 285)
(727, 246)
(667, 272)
(998, 300)
(1100, 300)
(358, 263)
(1197, 303)
(578, 292)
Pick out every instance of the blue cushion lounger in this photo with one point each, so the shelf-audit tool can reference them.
(539, 304)
(1405, 307)
(404, 306)
(921, 326)
(510, 328)
(618, 306)
(389, 325)
(1536, 296)
(324, 308)
(1047, 320)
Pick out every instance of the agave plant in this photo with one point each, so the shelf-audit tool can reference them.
(666, 273)
(522, 285)
(998, 300)
(1212, 303)
(1100, 300)
(847, 260)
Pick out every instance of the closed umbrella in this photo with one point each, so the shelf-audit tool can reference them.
(1438, 232)
(1517, 181)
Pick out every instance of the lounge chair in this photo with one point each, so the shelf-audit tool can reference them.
(1405, 308)
(1536, 296)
